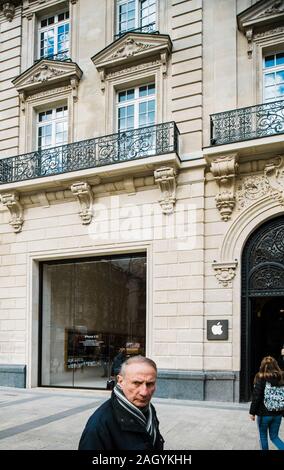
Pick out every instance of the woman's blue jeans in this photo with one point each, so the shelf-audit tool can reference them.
(271, 424)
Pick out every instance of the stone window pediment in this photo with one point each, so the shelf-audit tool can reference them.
(133, 48)
(261, 19)
(47, 74)
(261, 15)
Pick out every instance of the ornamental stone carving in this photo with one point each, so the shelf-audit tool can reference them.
(84, 194)
(260, 19)
(45, 73)
(277, 7)
(12, 202)
(8, 10)
(130, 48)
(166, 178)
(224, 169)
(274, 173)
(225, 272)
(250, 189)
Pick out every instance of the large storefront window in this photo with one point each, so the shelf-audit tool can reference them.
(91, 311)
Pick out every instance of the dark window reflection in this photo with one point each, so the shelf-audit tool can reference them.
(93, 313)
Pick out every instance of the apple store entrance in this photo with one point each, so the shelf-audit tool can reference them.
(92, 311)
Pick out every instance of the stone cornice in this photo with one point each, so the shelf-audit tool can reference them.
(47, 74)
(260, 18)
(133, 48)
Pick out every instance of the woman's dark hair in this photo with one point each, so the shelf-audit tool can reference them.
(269, 369)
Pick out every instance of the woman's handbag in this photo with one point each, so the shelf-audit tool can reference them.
(274, 397)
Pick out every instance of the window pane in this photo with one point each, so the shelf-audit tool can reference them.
(122, 96)
(151, 117)
(280, 58)
(143, 91)
(151, 105)
(142, 107)
(45, 115)
(130, 122)
(142, 120)
(122, 112)
(280, 90)
(130, 94)
(126, 16)
(269, 79)
(269, 92)
(269, 61)
(279, 76)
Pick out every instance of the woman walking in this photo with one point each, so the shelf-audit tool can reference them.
(269, 372)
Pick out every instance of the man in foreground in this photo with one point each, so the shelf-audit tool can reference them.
(127, 421)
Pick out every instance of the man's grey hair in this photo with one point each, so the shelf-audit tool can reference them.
(137, 360)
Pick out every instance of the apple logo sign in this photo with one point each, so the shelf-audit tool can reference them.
(217, 329)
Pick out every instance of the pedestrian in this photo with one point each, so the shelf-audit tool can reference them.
(118, 360)
(269, 372)
(127, 421)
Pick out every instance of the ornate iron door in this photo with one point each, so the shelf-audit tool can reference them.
(262, 277)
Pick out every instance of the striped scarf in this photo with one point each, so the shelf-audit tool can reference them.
(149, 423)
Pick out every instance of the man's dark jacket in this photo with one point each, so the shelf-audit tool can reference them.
(111, 427)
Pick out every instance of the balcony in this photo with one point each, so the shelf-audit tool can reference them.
(148, 29)
(62, 56)
(93, 155)
(252, 122)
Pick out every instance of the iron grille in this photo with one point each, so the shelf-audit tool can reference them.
(108, 150)
(247, 123)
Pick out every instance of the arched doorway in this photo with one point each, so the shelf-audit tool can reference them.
(262, 316)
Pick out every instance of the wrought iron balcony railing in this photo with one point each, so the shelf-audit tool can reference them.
(108, 150)
(247, 123)
(148, 28)
(62, 56)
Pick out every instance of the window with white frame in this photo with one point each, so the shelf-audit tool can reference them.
(136, 15)
(136, 116)
(52, 128)
(136, 107)
(273, 77)
(54, 36)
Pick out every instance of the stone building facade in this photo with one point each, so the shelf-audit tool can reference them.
(141, 191)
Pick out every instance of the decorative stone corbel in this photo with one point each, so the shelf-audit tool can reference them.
(74, 85)
(225, 272)
(224, 169)
(83, 192)
(164, 62)
(129, 185)
(166, 178)
(249, 36)
(22, 98)
(102, 78)
(8, 10)
(273, 172)
(29, 15)
(12, 202)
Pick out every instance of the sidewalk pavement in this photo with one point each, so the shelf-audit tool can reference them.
(53, 419)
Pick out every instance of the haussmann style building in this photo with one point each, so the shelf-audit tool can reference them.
(142, 191)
